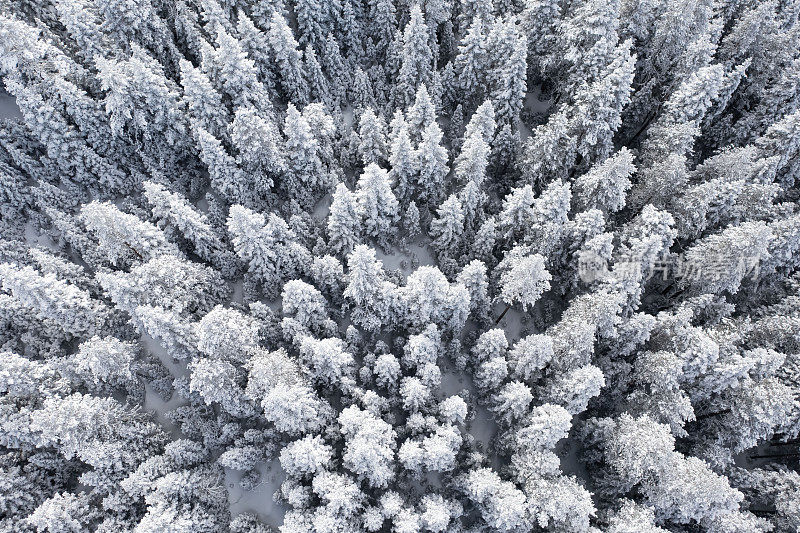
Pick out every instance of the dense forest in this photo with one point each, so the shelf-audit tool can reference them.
(448, 266)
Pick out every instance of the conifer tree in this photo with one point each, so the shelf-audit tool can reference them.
(411, 220)
(216, 382)
(256, 43)
(539, 20)
(382, 17)
(334, 65)
(268, 245)
(313, 23)
(226, 176)
(369, 446)
(344, 221)
(101, 432)
(377, 204)
(456, 128)
(471, 63)
(123, 238)
(611, 177)
(72, 308)
(168, 282)
(372, 134)
(83, 24)
(429, 297)
(471, 163)
(259, 148)
(351, 27)
(507, 54)
(287, 56)
(417, 60)
(235, 73)
(403, 159)
(471, 9)
(599, 107)
(482, 122)
(368, 289)
(204, 102)
(362, 94)
(306, 177)
(144, 103)
(318, 85)
(587, 36)
(228, 335)
(433, 167)
(501, 504)
(551, 150)
(474, 277)
(448, 226)
(139, 23)
(420, 115)
(524, 278)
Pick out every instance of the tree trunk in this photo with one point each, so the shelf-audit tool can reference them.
(502, 314)
(709, 415)
(774, 455)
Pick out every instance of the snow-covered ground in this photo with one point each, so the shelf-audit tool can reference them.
(399, 260)
(259, 499)
(8, 106)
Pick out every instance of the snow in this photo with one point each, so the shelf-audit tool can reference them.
(237, 292)
(259, 499)
(536, 105)
(535, 101)
(153, 403)
(347, 116)
(36, 238)
(702, 111)
(402, 260)
(322, 208)
(512, 323)
(8, 105)
(482, 426)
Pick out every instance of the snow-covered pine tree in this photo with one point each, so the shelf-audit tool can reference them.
(377, 205)
(432, 160)
(344, 221)
(289, 60)
(268, 245)
(306, 177)
(417, 61)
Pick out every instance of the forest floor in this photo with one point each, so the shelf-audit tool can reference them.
(8, 105)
